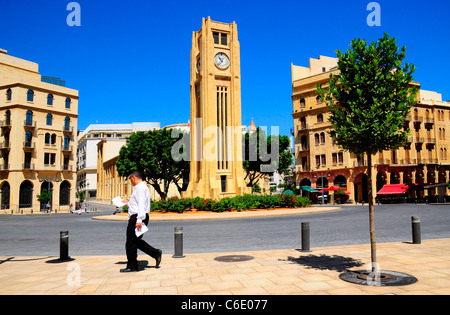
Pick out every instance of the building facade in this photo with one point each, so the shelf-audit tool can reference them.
(421, 164)
(216, 151)
(38, 122)
(88, 140)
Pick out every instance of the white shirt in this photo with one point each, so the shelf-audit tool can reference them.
(139, 202)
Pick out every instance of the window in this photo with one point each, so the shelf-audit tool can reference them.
(224, 39)
(8, 117)
(220, 38)
(29, 118)
(64, 193)
(68, 102)
(317, 139)
(319, 118)
(216, 38)
(53, 138)
(322, 137)
(28, 137)
(321, 160)
(302, 102)
(49, 119)
(8, 94)
(26, 194)
(47, 138)
(50, 99)
(67, 124)
(30, 96)
(49, 158)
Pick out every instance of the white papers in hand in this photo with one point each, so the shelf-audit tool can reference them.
(118, 202)
(141, 231)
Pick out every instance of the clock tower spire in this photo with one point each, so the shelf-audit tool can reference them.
(216, 130)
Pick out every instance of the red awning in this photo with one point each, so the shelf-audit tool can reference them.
(393, 189)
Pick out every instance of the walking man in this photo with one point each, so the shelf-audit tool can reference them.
(138, 210)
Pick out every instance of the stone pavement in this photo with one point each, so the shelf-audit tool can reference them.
(271, 272)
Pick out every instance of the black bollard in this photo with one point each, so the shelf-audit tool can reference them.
(415, 223)
(178, 237)
(64, 245)
(305, 237)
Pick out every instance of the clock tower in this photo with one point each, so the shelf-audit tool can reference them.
(216, 131)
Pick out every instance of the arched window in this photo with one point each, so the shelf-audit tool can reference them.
(29, 118)
(8, 94)
(302, 102)
(66, 141)
(28, 137)
(49, 119)
(30, 96)
(26, 194)
(67, 102)
(50, 99)
(64, 193)
(319, 118)
(47, 138)
(6, 191)
(67, 123)
(53, 138)
(316, 138)
(303, 123)
(322, 137)
(8, 118)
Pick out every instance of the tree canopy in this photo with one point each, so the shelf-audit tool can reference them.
(264, 155)
(150, 153)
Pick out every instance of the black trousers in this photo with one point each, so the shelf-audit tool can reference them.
(134, 243)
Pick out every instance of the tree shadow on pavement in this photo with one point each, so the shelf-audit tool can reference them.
(326, 262)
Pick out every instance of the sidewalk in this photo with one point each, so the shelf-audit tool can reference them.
(270, 272)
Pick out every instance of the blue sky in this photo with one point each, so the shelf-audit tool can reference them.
(130, 59)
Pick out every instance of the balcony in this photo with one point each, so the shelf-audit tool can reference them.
(29, 124)
(28, 145)
(5, 123)
(67, 148)
(28, 166)
(431, 140)
(66, 168)
(4, 167)
(429, 120)
(5, 145)
(68, 128)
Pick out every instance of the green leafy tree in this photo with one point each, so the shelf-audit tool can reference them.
(150, 153)
(44, 197)
(369, 100)
(264, 155)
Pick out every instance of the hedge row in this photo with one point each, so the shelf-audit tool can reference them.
(238, 203)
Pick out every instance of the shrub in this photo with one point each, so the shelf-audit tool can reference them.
(238, 203)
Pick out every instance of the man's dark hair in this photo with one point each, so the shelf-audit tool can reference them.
(136, 174)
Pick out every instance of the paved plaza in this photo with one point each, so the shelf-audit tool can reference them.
(270, 272)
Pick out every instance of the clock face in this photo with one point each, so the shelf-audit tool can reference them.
(222, 61)
(198, 65)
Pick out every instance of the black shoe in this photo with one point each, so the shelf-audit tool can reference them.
(158, 259)
(128, 270)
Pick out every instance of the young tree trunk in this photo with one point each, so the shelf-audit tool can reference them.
(373, 245)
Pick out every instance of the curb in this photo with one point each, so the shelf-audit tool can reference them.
(222, 215)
